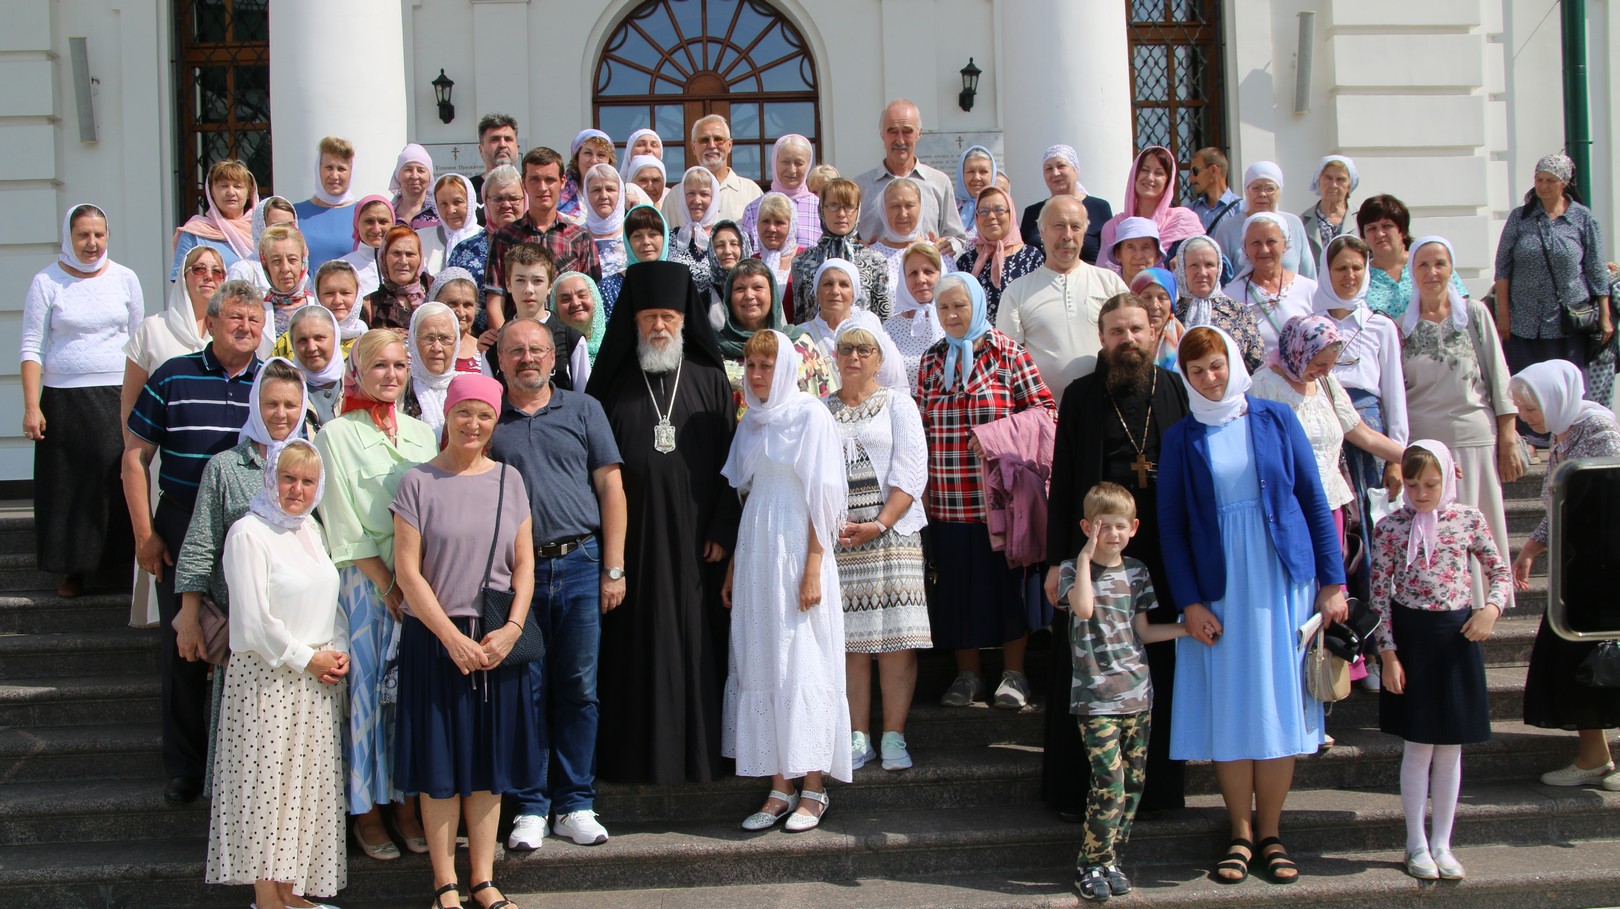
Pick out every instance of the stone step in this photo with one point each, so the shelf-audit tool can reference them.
(1321, 826)
(108, 752)
(20, 571)
(86, 701)
(17, 527)
(43, 612)
(127, 651)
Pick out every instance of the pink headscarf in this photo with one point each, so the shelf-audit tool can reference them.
(234, 232)
(360, 207)
(1425, 533)
(994, 252)
(1301, 339)
(1175, 223)
(803, 189)
(466, 386)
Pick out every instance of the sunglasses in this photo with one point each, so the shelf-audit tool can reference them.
(203, 271)
(858, 350)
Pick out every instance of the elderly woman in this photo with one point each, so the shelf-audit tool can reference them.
(1198, 268)
(432, 344)
(1136, 246)
(455, 288)
(880, 557)
(696, 216)
(276, 818)
(409, 184)
(589, 148)
(285, 259)
(648, 173)
(642, 143)
(226, 225)
(367, 449)
(838, 296)
(976, 172)
(1060, 168)
(1549, 397)
(914, 327)
(1385, 224)
(1265, 285)
(791, 161)
(728, 245)
(972, 376)
(80, 313)
(319, 354)
(776, 241)
(603, 208)
(999, 255)
(1150, 193)
(1157, 288)
(1336, 179)
(403, 282)
(577, 301)
(467, 728)
(1250, 551)
(840, 212)
(373, 219)
(1457, 389)
(1550, 258)
(1262, 192)
(272, 211)
(902, 225)
(503, 204)
(457, 204)
(755, 305)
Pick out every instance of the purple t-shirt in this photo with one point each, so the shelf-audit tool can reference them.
(455, 516)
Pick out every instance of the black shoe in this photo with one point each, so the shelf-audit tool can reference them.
(1118, 883)
(1092, 883)
(183, 789)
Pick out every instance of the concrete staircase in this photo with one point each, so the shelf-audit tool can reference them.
(83, 822)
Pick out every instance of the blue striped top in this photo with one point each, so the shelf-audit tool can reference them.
(191, 410)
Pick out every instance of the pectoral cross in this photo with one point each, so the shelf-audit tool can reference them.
(1141, 465)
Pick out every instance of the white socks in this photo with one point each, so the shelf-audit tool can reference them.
(1430, 772)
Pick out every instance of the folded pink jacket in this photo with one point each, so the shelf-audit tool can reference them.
(1017, 465)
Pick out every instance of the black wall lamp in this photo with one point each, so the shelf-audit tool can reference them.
(441, 91)
(970, 85)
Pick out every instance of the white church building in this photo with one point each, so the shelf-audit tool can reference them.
(1447, 104)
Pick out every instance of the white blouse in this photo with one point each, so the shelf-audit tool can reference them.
(1326, 416)
(76, 328)
(284, 592)
(898, 449)
(1272, 313)
(1371, 361)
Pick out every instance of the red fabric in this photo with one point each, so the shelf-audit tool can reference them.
(1017, 468)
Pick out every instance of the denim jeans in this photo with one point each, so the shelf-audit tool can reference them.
(567, 604)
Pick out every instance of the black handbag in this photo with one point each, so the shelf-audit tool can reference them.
(1581, 318)
(496, 605)
(1350, 638)
(1601, 668)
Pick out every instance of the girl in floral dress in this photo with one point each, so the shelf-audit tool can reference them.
(1429, 637)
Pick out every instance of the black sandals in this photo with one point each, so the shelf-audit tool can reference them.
(1235, 861)
(1277, 862)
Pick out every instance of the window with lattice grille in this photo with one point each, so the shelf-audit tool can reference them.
(1177, 91)
(222, 85)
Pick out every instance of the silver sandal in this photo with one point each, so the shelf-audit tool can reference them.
(798, 823)
(764, 820)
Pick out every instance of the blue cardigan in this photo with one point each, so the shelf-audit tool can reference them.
(1297, 514)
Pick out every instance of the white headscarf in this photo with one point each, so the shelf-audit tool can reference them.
(1067, 153)
(892, 368)
(469, 228)
(257, 225)
(1327, 296)
(254, 428)
(1425, 533)
(919, 229)
(267, 503)
(1348, 165)
(67, 256)
(698, 232)
(627, 167)
(1199, 309)
(1459, 306)
(1257, 218)
(581, 136)
(612, 225)
(177, 312)
(926, 326)
(1233, 403)
(634, 166)
(430, 388)
(328, 198)
(795, 428)
(1265, 170)
(333, 370)
(1559, 390)
(412, 153)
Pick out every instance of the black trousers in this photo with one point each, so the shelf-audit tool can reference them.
(185, 684)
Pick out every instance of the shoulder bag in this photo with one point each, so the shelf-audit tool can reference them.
(496, 605)
(1601, 668)
(1327, 676)
(1580, 318)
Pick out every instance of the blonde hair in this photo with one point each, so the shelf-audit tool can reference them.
(927, 250)
(1109, 499)
(697, 178)
(861, 336)
(337, 147)
(278, 232)
(819, 176)
(762, 344)
(777, 207)
(298, 454)
(369, 346)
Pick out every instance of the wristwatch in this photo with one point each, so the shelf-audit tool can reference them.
(614, 574)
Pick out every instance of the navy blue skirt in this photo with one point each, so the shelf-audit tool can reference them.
(1445, 702)
(461, 734)
(974, 598)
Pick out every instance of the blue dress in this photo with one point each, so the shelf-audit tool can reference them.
(1244, 698)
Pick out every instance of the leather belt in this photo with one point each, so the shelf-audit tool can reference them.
(562, 548)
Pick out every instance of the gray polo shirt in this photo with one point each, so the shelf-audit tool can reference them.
(556, 449)
(939, 214)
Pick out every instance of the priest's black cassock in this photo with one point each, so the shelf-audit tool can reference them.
(662, 668)
(1093, 446)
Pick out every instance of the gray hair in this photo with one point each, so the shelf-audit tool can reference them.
(311, 311)
(1050, 205)
(504, 175)
(232, 291)
(711, 118)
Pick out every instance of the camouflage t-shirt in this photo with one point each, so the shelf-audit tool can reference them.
(1110, 667)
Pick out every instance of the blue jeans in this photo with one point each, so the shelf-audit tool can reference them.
(567, 604)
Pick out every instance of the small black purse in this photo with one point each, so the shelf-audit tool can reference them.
(1601, 668)
(496, 605)
(1581, 317)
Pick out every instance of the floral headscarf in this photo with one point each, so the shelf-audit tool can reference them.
(1301, 339)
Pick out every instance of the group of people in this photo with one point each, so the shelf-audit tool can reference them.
(739, 446)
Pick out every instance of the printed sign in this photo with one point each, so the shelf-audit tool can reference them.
(943, 150)
(455, 158)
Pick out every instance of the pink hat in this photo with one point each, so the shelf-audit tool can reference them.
(476, 387)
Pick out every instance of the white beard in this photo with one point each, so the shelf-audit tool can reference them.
(656, 360)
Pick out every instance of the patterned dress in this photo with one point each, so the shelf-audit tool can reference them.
(1026, 260)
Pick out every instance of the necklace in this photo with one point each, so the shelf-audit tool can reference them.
(1141, 465)
(664, 430)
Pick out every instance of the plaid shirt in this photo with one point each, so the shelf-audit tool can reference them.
(1003, 382)
(568, 243)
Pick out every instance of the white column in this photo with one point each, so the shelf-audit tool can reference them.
(1079, 94)
(336, 69)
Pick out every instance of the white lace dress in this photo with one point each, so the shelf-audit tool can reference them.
(1326, 416)
(785, 709)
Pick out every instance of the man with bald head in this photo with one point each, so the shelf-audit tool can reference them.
(1053, 310)
(900, 126)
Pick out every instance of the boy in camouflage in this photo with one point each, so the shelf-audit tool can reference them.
(1111, 693)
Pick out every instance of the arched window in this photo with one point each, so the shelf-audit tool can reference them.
(671, 62)
(1177, 98)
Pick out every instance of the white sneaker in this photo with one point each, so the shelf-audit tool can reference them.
(1575, 776)
(1013, 692)
(1612, 782)
(1373, 681)
(581, 827)
(528, 833)
(860, 750)
(895, 755)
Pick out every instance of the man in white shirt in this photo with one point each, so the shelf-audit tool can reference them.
(1053, 310)
(711, 137)
(900, 127)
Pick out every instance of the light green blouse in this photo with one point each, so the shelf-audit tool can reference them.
(363, 470)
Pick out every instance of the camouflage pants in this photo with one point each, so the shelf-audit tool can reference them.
(1116, 747)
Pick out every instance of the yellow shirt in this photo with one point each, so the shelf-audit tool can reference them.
(283, 347)
(363, 470)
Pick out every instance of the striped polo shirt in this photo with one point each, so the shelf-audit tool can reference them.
(191, 410)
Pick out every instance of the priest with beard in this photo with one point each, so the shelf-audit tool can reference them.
(662, 383)
(1108, 429)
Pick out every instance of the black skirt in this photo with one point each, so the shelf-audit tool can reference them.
(1553, 699)
(461, 734)
(79, 512)
(1445, 701)
(974, 598)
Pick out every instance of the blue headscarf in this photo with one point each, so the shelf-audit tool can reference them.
(629, 251)
(966, 203)
(959, 351)
(1157, 276)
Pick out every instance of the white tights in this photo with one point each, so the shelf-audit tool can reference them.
(1430, 772)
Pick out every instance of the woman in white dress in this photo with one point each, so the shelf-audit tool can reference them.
(277, 817)
(785, 713)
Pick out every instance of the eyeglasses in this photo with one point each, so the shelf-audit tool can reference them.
(506, 200)
(203, 271)
(999, 212)
(535, 350)
(436, 340)
(839, 208)
(856, 350)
